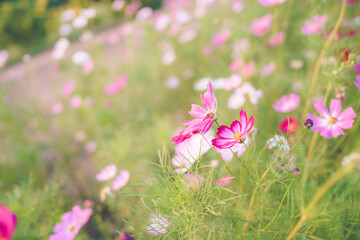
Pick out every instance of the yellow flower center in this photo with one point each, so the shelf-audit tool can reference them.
(237, 136)
(209, 115)
(71, 228)
(332, 120)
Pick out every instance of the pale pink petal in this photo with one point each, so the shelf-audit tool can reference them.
(120, 180)
(225, 132)
(107, 173)
(335, 107)
(322, 110)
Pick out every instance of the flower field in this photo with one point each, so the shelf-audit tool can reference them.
(203, 119)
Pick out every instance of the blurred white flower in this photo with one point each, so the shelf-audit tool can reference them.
(296, 64)
(86, 36)
(144, 13)
(80, 22)
(161, 22)
(3, 57)
(65, 29)
(80, 58)
(172, 82)
(168, 57)
(117, 5)
(353, 158)
(201, 84)
(26, 58)
(279, 142)
(187, 35)
(88, 12)
(68, 15)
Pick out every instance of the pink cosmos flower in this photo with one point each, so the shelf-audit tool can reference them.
(357, 67)
(116, 86)
(268, 69)
(287, 103)
(192, 181)
(330, 124)
(314, 25)
(225, 180)
(132, 7)
(276, 39)
(159, 225)
(269, 3)
(182, 137)
(248, 69)
(8, 223)
(75, 101)
(262, 25)
(57, 108)
(289, 125)
(357, 82)
(68, 88)
(232, 82)
(207, 50)
(203, 117)
(120, 180)
(237, 6)
(238, 149)
(228, 137)
(107, 172)
(71, 223)
(88, 67)
(221, 37)
(236, 64)
(188, 151)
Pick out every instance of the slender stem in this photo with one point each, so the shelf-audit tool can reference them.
(327, 44)
(282, 200)
(334, 178)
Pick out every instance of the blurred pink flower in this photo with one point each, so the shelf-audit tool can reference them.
(225, 180)
(207, 50)
(88, 67)
(8, 223)
(57, 108)
(172, 82)
(192, 181)
(88, 203)
(68, 88)
(232, 82)
(330, 124)
(116, 86)
(75, 101)
(236, 65)
(107, 172)
(113, 38)
(357, 82)
(287, 103)
(180, 137)
(269, 3)
(117, 5)
(268, 69)
(221, 37)
(315, 25)
(214, 163)
(203, 116)
(229, 136)
(248, 69)
(159, 225)
(71, 223)
(237, 6)
(276, 39)
(120, 180)
(91, 146)
(132, 7)
(357, 67)
(262, 25)
(144, 13)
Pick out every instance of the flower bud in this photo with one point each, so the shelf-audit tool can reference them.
(308, 123)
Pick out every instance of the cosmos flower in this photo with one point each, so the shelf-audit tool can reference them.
(237, 99)
(68, 88)
(236, 65)
(225, 180)
(158, 225)
(8, 223)
(289, 125)
(116, 86)
(189, 150)
(221, 37)
(227, 154)
(71, 223)
(353, 158)
(107, 172)
(57, 108)
(340, 93)
(228, 137)
(120, 180)
(269, 3)
(268, 69)
(75, 101)
(80, 58)
(117, 5)
(106, 191)
(180, 137)
(276, 39)
(331, 124)
(314, 25)
(287, 103)
(203, 116)
(357, 82)
(262, 25)
(172, 82)
(88, 67)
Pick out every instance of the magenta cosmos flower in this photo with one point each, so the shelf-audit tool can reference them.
(7, 223)
(287, 103)
(228, 137)
(269, 3)
(262, 25)
(276, 39)
(203, 116)
(314, 25)
(116, 86)
(71, 223)
(331, 124)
